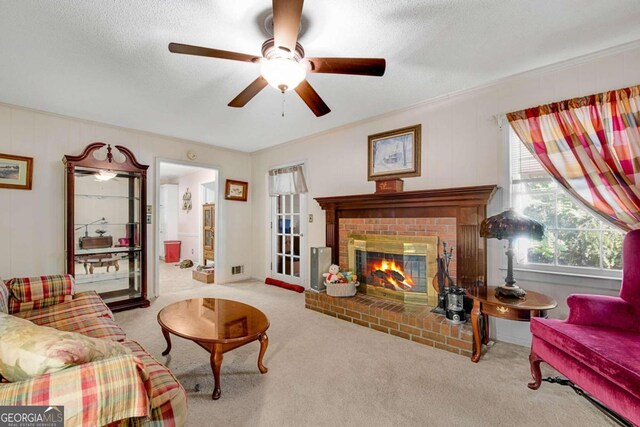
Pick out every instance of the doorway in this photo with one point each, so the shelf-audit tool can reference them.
(183, 190)
(288, 229)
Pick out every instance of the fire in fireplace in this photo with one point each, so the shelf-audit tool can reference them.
(390, 275)
(395, 267)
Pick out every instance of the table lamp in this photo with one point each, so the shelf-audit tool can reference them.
(511, 225)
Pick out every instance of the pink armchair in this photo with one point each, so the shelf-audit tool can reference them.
(598, 346)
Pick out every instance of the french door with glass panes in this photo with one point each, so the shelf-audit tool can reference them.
(288, 227)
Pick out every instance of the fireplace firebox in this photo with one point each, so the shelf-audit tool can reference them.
(395, 267)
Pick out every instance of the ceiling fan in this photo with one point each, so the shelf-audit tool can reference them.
(283, 64)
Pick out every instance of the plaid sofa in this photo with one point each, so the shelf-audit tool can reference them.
(127, 390)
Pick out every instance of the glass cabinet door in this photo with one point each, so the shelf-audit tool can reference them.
(107, 234)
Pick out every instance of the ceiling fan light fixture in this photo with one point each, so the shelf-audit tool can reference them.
(105, 175)
(284, 65)
(283, 74)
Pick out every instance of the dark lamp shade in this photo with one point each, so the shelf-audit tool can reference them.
(511, 225)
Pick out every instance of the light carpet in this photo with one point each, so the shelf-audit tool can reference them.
(327, 372)
(176, 279)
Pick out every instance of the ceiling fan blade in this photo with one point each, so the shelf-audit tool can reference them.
(250, 91)
(187, 49)
(312, 99)
(286, 22)
(354, 66)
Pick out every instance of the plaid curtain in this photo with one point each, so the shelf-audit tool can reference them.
(591, 145)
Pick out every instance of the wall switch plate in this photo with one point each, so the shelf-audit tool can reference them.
(310, 217)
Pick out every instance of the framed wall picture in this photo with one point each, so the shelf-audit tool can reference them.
(236, 190)
(395, 154)
(16, 172)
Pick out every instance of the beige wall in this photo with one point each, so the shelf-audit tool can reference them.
(32, 222)
(462, 145)
(190, 223)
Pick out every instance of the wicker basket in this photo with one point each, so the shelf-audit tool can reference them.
(341, 289)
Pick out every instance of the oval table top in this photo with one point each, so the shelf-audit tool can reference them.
(213, 320)
(531, 301)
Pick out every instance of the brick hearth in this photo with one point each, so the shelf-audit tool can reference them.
(412, 322)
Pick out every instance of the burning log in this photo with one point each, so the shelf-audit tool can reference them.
(404, 286)
(387, 284)
(389, 279)
(379, 274)
(395, 276)
(380, 278)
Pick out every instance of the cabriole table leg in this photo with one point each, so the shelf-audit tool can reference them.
(264, 342)
(216, 364)
(475, 323)
(167, 338)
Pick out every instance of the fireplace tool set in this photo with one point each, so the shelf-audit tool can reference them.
(451, 297)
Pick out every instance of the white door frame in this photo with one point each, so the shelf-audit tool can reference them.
(304, 260)
(304, 225)
(156, 213)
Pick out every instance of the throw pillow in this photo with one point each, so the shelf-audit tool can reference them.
(32, 293)
(28, 350)
(4, 297)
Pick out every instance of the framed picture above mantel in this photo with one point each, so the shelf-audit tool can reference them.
(395, 154)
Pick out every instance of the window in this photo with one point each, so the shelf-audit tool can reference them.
(576, 240)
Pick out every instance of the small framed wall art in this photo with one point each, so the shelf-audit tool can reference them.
(236, 190)
(16, 172)
(395, 154)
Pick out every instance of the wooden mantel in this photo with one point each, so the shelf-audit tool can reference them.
(467, 204)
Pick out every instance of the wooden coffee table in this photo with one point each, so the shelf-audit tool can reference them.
(486, 303)
(218, 326)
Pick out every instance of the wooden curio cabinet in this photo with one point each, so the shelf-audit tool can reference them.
(208, 231)
(106, 233)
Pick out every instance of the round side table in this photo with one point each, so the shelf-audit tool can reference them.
(486, 303)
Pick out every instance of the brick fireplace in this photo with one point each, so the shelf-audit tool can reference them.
(396, 240)
(418, 221)
(452, 214)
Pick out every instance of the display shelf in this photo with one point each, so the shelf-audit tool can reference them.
(115, 250)
(109, 224)
(99, 279)
(106, 196)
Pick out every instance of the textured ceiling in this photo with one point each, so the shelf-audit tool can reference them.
(108, 60)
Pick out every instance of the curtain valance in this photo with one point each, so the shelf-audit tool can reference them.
(287, 180)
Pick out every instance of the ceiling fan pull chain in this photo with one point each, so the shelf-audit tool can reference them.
(282, 103)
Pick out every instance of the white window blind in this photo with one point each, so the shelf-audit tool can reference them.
(523, 165)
